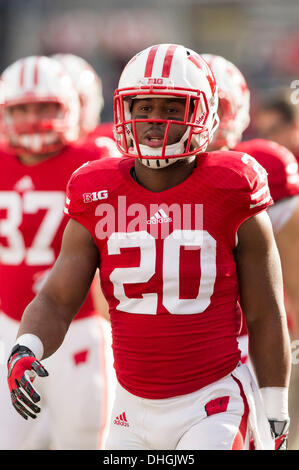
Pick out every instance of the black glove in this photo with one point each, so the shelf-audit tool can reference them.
(22, 369)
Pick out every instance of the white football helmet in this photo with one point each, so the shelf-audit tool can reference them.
(234, 98)
(167, 70)
(89, 87)
(39, 79)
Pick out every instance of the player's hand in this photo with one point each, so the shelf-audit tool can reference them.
(280, 431)
(22, 369)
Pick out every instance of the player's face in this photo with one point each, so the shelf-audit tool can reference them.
(34, 120)
(267, 124)
(270, 125)
(33, 112)
(152, 133)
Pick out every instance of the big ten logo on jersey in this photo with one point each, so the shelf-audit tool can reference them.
(95, 196)
(158, 220)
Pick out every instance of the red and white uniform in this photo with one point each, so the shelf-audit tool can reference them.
(31, 228)
(171, 285)
(280, 164)
(283, 179)
(154, 307)
(32, 224)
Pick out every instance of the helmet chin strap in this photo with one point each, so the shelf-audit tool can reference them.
(170, 150)
(145, 151)
(159, 163)
(162, 163)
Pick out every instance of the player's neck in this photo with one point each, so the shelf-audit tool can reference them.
(30, 160)
(161, 179)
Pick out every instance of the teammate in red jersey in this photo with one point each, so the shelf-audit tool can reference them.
(283, 177)
(93, 133)
(178, 234)
(41, 112)
(278, 119)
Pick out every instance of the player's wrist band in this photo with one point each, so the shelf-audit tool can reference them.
(275, 402)
(33, 343)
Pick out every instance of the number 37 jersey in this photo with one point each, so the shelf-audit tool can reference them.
(32, 223)
(167, 266)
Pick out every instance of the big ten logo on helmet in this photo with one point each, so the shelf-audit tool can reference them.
(95, 196)
(149, 81)
(155, 81)
(158, 220)
(295, 94)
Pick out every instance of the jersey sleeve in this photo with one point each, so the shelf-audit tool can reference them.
(77, 200)
(259, 191)
(255, 192)
(279, 162)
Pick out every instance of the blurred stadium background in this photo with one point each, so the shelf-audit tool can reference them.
(260, 36)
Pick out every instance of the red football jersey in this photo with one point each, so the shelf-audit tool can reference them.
(167, 266)
(280, 164)
(32, 223)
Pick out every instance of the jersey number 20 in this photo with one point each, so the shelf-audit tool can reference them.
(194, 239)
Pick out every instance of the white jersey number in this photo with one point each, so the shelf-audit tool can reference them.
(259, 170)
(40, 251)
(194, 239)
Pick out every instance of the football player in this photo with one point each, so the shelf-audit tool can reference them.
(283, 177)
(277, 119)
(88, 84)
(40, 124)
(179, 235)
